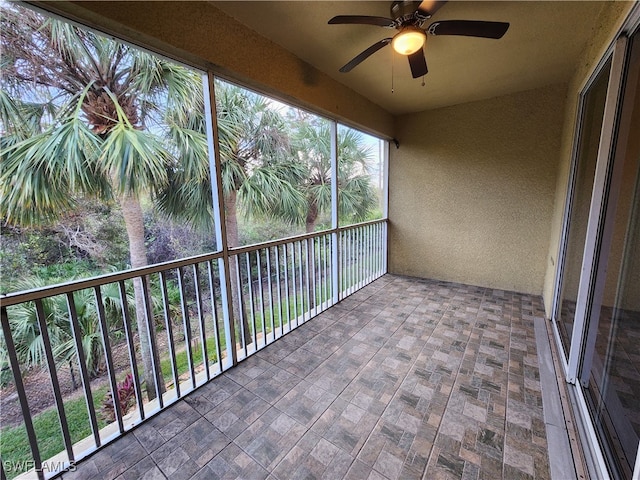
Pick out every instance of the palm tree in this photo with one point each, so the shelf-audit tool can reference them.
(85, 115)
(313, 146)
(259, 170)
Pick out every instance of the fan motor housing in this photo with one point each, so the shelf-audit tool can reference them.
(403, 11)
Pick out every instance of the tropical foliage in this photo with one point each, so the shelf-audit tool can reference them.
(28, 336)
(85, 118)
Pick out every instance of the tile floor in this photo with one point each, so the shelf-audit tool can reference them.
(405, 379)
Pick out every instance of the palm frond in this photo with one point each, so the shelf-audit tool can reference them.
(135, 159)
(269, 192)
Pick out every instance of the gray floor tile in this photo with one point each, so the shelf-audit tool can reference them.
(405, 379)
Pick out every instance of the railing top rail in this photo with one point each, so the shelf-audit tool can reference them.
(298, 238)
(362, 224)
(15, 298)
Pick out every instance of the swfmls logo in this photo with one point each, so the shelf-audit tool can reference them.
(47, 466)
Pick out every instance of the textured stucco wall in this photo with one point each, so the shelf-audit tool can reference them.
(201, 34)
(610, 20)
(471, 190)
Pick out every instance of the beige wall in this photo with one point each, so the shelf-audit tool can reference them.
(471, 190)
(610, 21)
(201, 34)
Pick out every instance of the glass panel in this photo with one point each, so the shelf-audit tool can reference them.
(614, 385)
(360, 176)
(580, 200)
(275, 167)
(106, 162)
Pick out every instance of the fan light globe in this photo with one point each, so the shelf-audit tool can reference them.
(409, 40)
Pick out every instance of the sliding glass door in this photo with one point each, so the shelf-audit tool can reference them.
(597, 304)
(578, 201)
(610, 368)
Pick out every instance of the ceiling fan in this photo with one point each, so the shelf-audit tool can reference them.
(409, 18)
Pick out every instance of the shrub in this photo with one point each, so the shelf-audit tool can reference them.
(126, 398)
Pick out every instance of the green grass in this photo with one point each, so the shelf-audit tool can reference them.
(182, 358)
(14, 444)
(297, 305)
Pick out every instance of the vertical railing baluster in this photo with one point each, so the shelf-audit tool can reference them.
(363, 255)
(294, 289)
(383, 241)
(349, 255)
(382, 247)
(22, 394)
(106, 345)
(169, 328)
(385, 251)
(344, 252)
(279, 292)
(354, 259)
(354, 241)
(151, 333)
(261, 291)
(371, 263)
(376, 264)
(307, 279)
(354, 246)
(251, 302)
(301, 280)
(270, 287)
(285, 265)
(82, 364)
(53, 374)
(203, 333)
(371, 248)
(338, 272)
(133, 362)
(358, 242)
(214, 314)
(241, 304)
(376, 251)
(186, 325)
(314, 289)
(326, 254)
(322, 244)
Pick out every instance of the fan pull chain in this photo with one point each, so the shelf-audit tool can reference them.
(423, 80)
(392, 58)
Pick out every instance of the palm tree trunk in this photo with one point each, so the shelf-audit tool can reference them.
(231, 219)
(134, 223)
(312, 216)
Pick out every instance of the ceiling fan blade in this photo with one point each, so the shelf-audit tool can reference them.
(364, 55)
(469, 28)
(418, 64)
(430, 7)
(361, 20)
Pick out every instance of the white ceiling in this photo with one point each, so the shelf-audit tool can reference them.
(542, 47)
